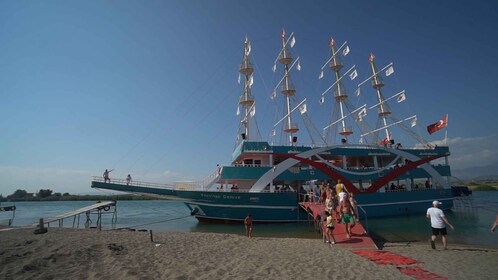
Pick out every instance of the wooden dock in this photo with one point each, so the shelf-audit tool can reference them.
(359, 239)
(96, 209)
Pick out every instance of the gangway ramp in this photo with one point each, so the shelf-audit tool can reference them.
(98, 208)
(360, 238)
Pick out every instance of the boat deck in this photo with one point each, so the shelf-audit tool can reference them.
(360, 238)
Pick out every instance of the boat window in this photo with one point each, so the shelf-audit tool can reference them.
(257, 162)
(248, 161)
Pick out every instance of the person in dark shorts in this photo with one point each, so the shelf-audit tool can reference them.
(248, 225)
(438, 224)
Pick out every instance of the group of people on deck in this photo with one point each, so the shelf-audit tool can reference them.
(340, 206)
(108, 180)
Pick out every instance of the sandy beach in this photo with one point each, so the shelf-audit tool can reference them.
(92, 254)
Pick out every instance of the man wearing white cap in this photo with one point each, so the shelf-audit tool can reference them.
(438, 221)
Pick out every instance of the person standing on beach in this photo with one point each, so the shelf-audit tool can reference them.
(248, 224)
(438, 221)
(329, 224)
(493, 227)
(106, 175)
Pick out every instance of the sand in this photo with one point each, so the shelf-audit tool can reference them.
(93, 254)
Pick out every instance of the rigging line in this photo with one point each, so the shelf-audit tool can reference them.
(207, 80)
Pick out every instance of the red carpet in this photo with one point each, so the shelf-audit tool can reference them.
(419, 273)
(384, 257)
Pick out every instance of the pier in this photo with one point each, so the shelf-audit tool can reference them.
(359, 239)
(97, 210)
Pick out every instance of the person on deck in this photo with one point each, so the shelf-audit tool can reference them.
(106, 175)
(248, 225)
(128, 179)
(348, 215)
(339, 187)
(438, 221)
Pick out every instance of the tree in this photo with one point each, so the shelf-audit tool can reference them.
(44, 193)
(18, 194)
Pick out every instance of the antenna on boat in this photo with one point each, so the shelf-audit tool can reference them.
(246, 99)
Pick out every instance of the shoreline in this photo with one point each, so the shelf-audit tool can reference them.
(65, 253)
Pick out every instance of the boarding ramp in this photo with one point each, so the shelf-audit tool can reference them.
(97, 209)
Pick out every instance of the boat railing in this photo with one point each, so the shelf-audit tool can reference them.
(134, 183)
(366, 216)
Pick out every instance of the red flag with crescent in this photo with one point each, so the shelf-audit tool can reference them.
(442, 123)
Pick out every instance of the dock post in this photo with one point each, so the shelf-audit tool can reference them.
(41, 228)
(151, 238)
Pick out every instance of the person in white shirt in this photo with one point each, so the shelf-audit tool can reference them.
(438, 224)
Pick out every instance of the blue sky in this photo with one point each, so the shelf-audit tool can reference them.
(150, 87)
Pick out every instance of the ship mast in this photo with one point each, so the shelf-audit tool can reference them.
(246, 99)
(340, 94)
(288, 90)
(377, 84)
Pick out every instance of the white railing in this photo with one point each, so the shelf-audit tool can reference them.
(135, 183)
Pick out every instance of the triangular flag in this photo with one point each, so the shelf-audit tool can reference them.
(303, 109)
(389, 71)
(363, 112)
(371, 58)
(238, 80)
(353, 75)
(331, 42)
(293, 41)
(357, 92)
(414, 122)
(238, 110)
(273, 95)
(322, 100)
(274, 68)
(401, 97)
(345, 51)
(298, 67)
(321, 75)
(253, 111)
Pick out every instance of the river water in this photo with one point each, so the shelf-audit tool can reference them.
(472, 220)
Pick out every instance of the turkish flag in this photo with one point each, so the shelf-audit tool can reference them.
(438, 126)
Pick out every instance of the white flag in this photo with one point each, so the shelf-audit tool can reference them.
(238, 110)
(298, 67)
(401, 97)
(414, 122)
(363, 112)
(273, 95)
(345, 51)
(322, 100)
(293, 41)
(389, 71)
(303, 109)
(251, 81)
(253, 111)
(321, 75)
(273, 132)
(238, 81)
(353, 75)
(357, 92)
(274, 67)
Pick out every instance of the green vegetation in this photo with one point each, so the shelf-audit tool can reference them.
(49, 195)
(489, 185)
